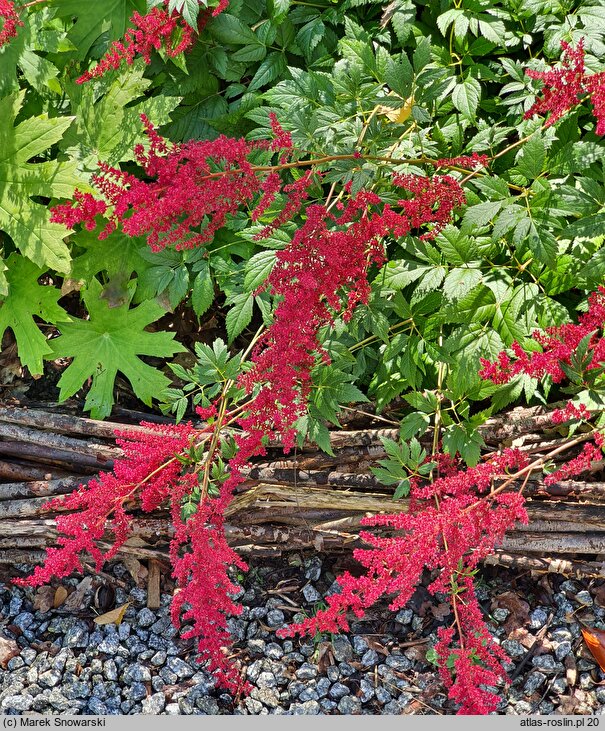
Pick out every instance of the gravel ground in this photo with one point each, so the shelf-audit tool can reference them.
(57, 660)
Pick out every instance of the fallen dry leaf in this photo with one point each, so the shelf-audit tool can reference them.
(8, 649)
(44, 598)
(76, 600)
(595, 641)
(114, 617)
(518, 609)
(441, 611)
(60, 596)
(136, 569)
(571, 670)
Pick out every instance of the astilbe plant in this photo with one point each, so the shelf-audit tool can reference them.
(565, 87)
(9, 17)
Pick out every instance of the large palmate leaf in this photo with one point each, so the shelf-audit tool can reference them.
(23, 219)
(108, 117)
(27, 299)
(94, 18)
(110, 341)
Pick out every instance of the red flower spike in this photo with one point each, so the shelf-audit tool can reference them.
(10, 21)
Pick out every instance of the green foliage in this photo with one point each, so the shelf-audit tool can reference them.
(401, 80)
(111, 341)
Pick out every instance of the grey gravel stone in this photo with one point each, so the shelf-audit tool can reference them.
(563, 649)
(274, 651)
(500, 614)
(313, 567)
(538, 618)
(50, 678)
(370, 657)
(533, 682)
(382, 695)
(513, 648)
(180, 668)
(349, 705)
(306, 671)
(311, 594)
(584, 598)
(209, 706)
(17, 703)
(308, 708)
(154, 704)
(342, 648)
(399, 662)
(404, 616)
(267, 696)
(109, 645)
(275, 618)
(96, 707)
(547, 664)
(136, 674)
(338, 691)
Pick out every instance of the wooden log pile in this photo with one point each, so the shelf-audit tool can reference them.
(307, 500)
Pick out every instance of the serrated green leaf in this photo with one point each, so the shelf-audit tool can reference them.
(111, 341)
(25, 221)
(239, 316)
(460, 281)
(27, 299)
(202, 294)
(258, 268)
(466, 96)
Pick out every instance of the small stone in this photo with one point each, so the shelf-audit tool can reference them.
(533, 682)
(513, 648)
(369, 658)
(97, 707)
(346, 669)
(274, 651)
(267, 696)
(583, 597)
(399, 662)
(349, 706)
(333, 673)
(308, 694)
(313, 568)
(500, 614)
(254, 706)
(563, 650)
(547, 664)
(154, 704)
(404, 616)
(306, 671)
(382, 695)
(342, 648)
(308, 708)
(209, 706)
(275, 618)
(50, 678)
(327, 706)
(57, 700)
(172, 709)
(266, 680)
(538, 618)
(311, 594)
(367, 689)
(23, 620)
(137, 692)
(158, 658)
(136, 674)
(360, 645)
(17, 703)
(559, 685)
(338, 691)
(180, 668)
(256, 647)
(392, 708)
(586, 681)
(145, 618)
(109, 645)
(15, 663)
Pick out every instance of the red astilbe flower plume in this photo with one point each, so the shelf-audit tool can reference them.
(83, 210)
(190, 189)
(452, 533)
(156, 30)
(558, 345)
(565, 87)
(9, 17)
(147, 469)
